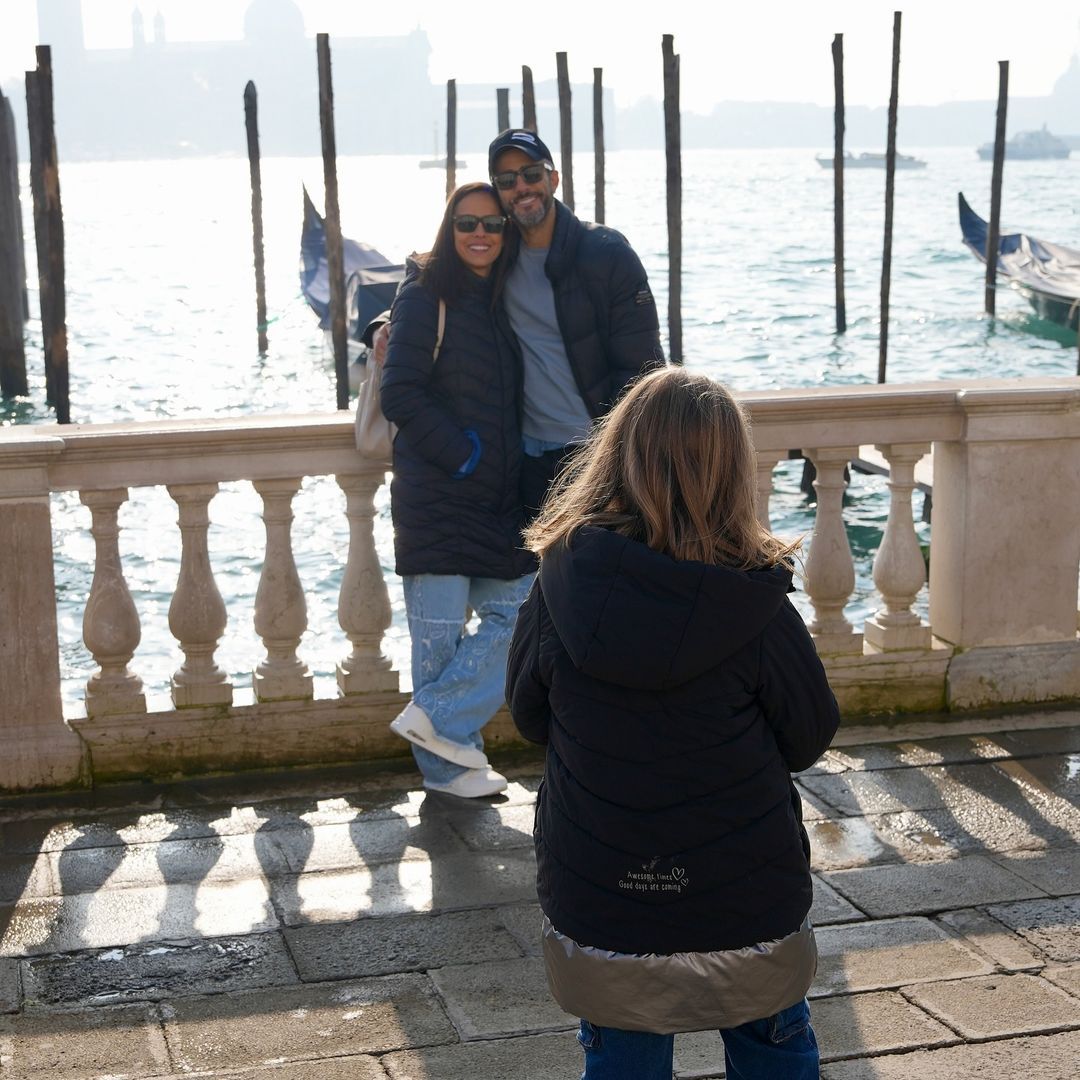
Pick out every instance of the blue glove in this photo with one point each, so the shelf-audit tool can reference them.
(470, 466)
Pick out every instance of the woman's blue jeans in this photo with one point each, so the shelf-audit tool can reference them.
(780, 1047)
(459, 678)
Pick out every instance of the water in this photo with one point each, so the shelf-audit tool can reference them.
(161, 323)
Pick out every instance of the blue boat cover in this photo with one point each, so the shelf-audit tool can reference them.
(371, 278)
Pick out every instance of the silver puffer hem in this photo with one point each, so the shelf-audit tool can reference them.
(688, 991)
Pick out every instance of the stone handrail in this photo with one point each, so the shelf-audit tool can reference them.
(1003, 575)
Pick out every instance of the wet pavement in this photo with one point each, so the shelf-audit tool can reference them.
(329, 924)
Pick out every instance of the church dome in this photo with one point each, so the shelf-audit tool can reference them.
(273, 21)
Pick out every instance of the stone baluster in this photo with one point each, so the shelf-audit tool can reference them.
(766, 462)
(363, 604)
(280, 607)
(899, 569)
(110, 622)
(830, 570)
(197, 616)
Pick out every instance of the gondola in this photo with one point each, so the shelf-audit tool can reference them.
(371, 279)
(1046, 275)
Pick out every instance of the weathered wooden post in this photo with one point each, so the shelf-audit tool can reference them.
(566, 136)
(49, 228)
(673, 148)
(9, 120)
(12, 264)
(335, 259)
(890, 180)
(993, 233)
(838, 181)
(451, 136)
(598, 142)
(528, 99)
(502, 108)
(251, 122)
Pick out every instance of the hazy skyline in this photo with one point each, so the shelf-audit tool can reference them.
(777, 52)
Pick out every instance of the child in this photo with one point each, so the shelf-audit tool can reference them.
(677, 689)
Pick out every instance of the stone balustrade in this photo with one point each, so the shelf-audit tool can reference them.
(1002, 622)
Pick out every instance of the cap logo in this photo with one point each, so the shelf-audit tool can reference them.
(524, 136)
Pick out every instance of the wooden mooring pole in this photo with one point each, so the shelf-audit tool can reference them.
(502, 108)
(451, 136)
(890, 181)
(12, 263)
(49, 230)
(838, 181)
(598, 142)
(993, 233)
(251, 122)
(566, 135)
(528, 99)
(673, 148)
(335, 261)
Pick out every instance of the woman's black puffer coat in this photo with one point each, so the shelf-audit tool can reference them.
(446, 523)
(676, 699)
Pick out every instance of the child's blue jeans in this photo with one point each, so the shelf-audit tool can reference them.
(780, 1047)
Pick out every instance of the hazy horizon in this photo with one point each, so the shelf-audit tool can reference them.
(779, 52)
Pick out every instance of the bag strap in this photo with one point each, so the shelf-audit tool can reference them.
(439, 332)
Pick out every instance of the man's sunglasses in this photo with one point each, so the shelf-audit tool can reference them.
(466, 223)
(531, 174)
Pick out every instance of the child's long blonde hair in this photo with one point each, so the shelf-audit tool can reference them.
(673, 466)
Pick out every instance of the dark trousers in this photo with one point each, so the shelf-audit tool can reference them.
(536, 476)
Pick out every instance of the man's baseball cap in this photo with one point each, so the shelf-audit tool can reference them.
(528, 142)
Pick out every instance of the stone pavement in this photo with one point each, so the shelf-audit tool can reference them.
(339, 924)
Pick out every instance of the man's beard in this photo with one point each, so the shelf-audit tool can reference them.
(532, 218)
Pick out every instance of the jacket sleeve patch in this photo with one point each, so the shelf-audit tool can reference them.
(643, 296)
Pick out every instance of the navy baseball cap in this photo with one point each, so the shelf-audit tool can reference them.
(528, 142)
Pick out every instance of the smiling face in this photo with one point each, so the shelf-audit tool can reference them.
(528, 204)
(478, 249)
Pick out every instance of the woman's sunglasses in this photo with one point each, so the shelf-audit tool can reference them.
(466, 223)
(531, 174)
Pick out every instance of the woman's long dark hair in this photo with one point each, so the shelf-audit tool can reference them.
(441, 269)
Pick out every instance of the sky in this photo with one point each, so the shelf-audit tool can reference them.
(730, 50)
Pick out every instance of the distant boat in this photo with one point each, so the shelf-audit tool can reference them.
(440, 163)
(872, 161)
(1046, 275)
(1029, 146)
(371, 279)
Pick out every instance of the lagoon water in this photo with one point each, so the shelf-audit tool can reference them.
(161, 323)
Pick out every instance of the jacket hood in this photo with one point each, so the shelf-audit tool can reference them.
(632, 616)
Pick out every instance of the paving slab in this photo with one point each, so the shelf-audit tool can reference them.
(10, 985)
(536, 1057)
(944, 750)
(813, 809)
(1052, 926)
(911, 888)
(1039, 741)
(524, 922)
(1043, 1057)
(989, 937)
(362, 843)
(124, 916)
(150, 971)
(1056, 872)
(170, 862)
(888, 954)
(841, 843)
(495, 828)
(699, 1055)
(500, 998)
(962, 830)
(304, 1023)
(1066, 976)
(874, 1023)
(26, 876)
(830, 907)
(390, 944)
(997, 1006)
(359, 1067)
(445, 883)
(88, 1044)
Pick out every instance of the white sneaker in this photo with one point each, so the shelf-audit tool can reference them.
(474, 784)
(413, 723)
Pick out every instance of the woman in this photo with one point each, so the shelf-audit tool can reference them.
(677, 689)
(454, 495)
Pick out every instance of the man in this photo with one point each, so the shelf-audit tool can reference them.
(579, 301)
